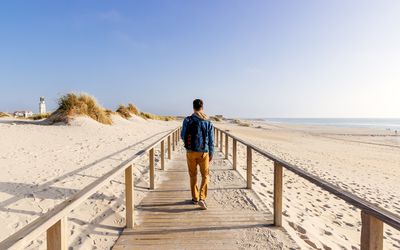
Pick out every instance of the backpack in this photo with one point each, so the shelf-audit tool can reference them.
(195, 135)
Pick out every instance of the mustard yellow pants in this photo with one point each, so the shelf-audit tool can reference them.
(201, 159)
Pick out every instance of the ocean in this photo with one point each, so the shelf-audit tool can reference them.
(377, 123)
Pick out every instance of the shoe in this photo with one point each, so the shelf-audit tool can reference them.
(202, 205)
(194, 202)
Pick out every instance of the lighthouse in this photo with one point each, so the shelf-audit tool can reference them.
(42, 106)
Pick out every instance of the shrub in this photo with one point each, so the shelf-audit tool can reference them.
(124, 112)
(2, 114)
(133, 109)
(39, 116)
(71, 105)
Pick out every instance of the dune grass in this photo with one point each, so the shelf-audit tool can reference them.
(72, 104)
(124, 112)
(39, 116)
(131, 110)
(3, 114)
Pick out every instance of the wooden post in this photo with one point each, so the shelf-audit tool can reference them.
(249, 167)
(151, 159)
(57, 235)
(162, 155)
(217, 137)
(129, 196)
(226, 146)
(278, 193)
(234, 153)
(169, 147)
(221, 143)
(173, 141)
(371, 232)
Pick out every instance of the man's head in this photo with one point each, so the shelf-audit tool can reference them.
(197, 105)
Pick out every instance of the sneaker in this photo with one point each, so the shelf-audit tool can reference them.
(194, 202)
(202, 205)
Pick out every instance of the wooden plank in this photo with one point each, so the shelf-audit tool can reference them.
(234, 154)
(34, 229)
(162, 155)
(278, 193)
(384, 215)
(57, 235)
(371, 232)
(151, 164)
(226, 146)
(249, 168)
(129, 198)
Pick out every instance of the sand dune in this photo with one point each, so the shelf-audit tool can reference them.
(42, 165)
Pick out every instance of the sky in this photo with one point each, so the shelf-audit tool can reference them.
(248, 59)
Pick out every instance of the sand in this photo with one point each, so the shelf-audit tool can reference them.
(43, 165)
(365, 162)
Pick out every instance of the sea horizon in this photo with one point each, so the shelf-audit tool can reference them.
(376, 123)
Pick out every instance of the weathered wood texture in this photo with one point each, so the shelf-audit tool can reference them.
(129, 202)
(162, 155)
(371, 232)
(278, 193)
(151, 165)
(234, 154)
(167, 219)
(249, 168)
(57, 236)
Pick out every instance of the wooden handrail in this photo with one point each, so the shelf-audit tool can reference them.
(31, 231)
(367, 208)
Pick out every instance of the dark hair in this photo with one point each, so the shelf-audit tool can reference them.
(197, 104)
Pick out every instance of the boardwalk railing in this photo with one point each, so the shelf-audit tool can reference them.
(55, 221)
(372, 216)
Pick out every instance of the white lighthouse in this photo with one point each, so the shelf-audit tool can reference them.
(42, 106)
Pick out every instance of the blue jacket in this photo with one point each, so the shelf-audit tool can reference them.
(207, 125)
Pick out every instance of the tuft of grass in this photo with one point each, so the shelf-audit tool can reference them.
(39, 116)
(214, 118)
(124, 112)
(72, 104)
(156, 117)
(133, 109)
(242, 123)
(3, 114)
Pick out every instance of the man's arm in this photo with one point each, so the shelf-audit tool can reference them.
(183, 128)
(211, 141)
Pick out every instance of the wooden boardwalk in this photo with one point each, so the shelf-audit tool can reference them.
(166, 219)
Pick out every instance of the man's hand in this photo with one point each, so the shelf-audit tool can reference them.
(210, 158)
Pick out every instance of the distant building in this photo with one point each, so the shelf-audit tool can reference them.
(42, 106)
(23, 114)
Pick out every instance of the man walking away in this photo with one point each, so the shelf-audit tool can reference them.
(197, 134)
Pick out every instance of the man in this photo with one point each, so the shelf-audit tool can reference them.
(197, 134)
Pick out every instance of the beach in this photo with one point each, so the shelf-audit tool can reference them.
(42, 165)
(363, 161)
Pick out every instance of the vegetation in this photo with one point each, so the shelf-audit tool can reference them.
(124, 112)
(73, 104)
(40, 116)
(214, 118)
(156, 117)
(133, 109)
(130, 110)
(242, 123)
(2, 114)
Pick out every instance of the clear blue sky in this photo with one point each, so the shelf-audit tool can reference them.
(244, 58)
